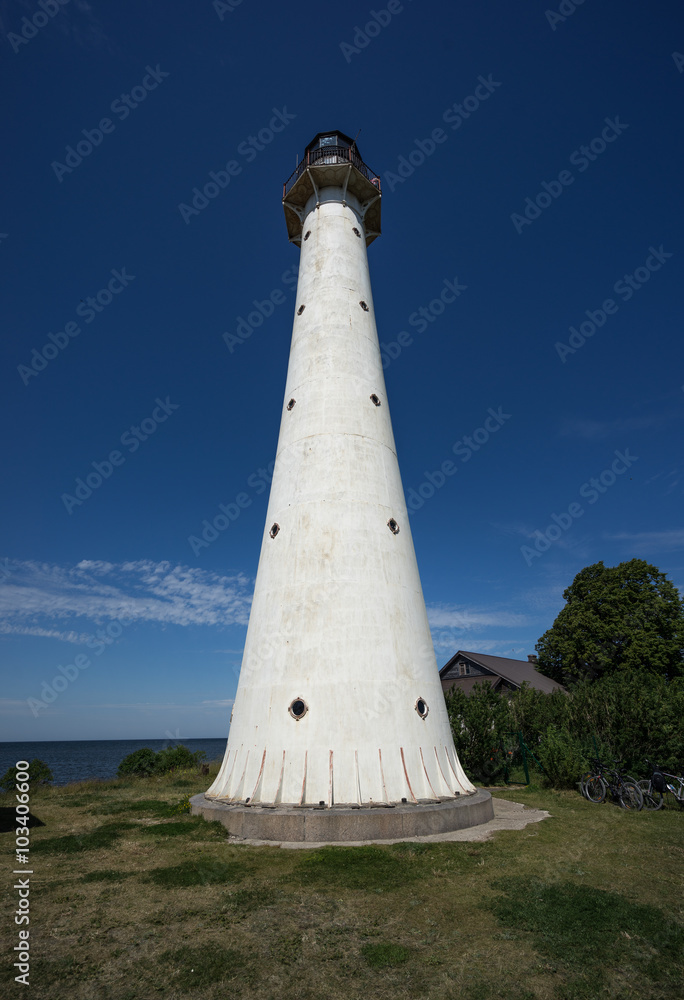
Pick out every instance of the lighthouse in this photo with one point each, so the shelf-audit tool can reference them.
(339, 729)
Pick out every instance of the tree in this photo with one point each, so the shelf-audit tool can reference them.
(628, 616)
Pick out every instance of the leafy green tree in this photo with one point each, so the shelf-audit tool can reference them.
(615, 618)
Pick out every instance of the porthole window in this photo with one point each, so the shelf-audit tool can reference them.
(298, 709)
(375, 399)
(363, 306)
(291, 404)
(301, 310)
(275, 528)
(307, 234)
(393, 526)
(356, 232)
(422, 709)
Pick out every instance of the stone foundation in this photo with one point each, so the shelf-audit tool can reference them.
(291, 824)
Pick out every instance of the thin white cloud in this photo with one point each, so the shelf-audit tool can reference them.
(456, 627)
(467, 619)
(78, 638)
(651, 541)
(670, 481)
(38, 596)
(9, 706)
(446, 644)
(150, 706)
(570, 540)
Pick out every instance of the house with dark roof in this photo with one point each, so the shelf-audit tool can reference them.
(465, 670)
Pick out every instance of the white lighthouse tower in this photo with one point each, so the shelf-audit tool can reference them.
(339, 729)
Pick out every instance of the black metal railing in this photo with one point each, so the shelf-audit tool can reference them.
(331, 154)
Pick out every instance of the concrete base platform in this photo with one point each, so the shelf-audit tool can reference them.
(343, 824)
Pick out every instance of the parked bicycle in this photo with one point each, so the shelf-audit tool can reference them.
(591, 783)
(655, 789)
(602, 780)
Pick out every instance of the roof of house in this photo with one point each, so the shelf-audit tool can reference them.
(515, 671)
(468, 683)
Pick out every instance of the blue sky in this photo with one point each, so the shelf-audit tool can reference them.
(529, 162)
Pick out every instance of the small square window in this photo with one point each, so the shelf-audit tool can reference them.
(328, 140)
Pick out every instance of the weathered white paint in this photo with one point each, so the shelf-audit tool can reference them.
(338, 617)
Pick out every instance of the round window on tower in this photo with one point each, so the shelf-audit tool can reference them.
(422, 709)
(298, 709)
(291, 404)
(307, 234)
(364, 306)
(393, 526)
(356, 232)
(275, 528)
(301, 310)
(375, 399)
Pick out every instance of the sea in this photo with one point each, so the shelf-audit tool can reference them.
(76, 760)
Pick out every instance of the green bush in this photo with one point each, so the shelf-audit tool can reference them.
(140, 763)
(633, 715)
(39, 774)
(627, 716)
(178, 758)
(478, 721)
(563, 758)
(532, 712)
(145, 762)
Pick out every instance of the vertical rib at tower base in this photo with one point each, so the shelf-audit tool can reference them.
(337, 824)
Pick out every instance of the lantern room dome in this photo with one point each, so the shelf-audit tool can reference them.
(323, 140)
(333, 160)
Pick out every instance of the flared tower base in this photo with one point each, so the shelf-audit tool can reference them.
(339, 824)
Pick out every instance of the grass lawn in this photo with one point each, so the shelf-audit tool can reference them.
(131, 900)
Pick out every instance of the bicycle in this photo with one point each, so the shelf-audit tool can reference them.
(592, 785)
(623, 790)
(660, 784)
